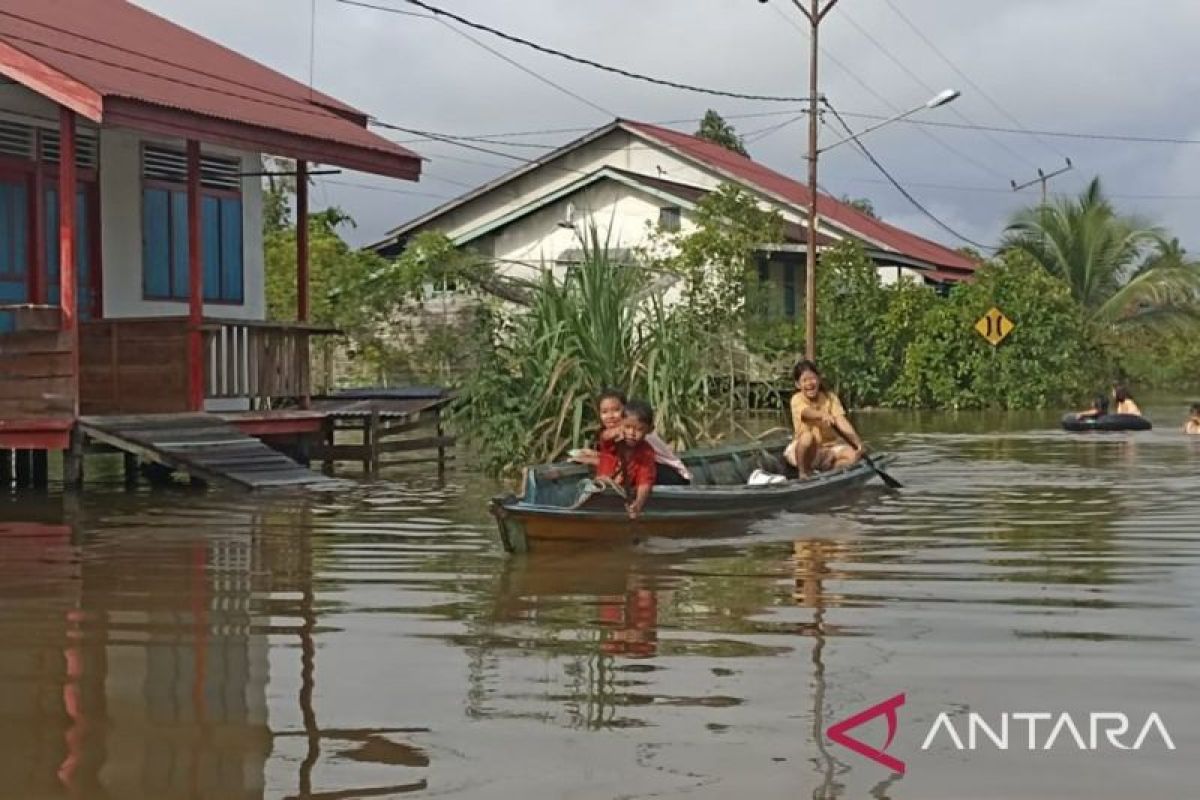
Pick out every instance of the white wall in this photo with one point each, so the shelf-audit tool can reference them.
(621, 214)
(121, 223)
(616, 149)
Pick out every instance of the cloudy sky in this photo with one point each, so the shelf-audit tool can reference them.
(1098, 68)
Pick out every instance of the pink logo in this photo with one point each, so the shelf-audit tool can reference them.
(837, 732)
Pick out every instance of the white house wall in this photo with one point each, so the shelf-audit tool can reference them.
(618, 149)
(121, 223)
(621, 215)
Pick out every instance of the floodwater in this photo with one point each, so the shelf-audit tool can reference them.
(374, 641)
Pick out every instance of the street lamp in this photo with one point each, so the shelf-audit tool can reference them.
(810, 281)
(940, 99)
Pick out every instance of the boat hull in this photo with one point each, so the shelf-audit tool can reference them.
(543, 515)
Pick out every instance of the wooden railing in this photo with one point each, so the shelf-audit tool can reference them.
(138, 365)
(266, 362)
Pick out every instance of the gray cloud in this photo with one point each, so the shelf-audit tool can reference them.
(1078, 65)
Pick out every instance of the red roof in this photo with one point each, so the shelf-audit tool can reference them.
(121, 65)
(843, 215)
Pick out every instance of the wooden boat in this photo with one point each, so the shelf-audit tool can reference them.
(557, 504)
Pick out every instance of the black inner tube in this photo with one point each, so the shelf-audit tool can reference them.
(1106, 422)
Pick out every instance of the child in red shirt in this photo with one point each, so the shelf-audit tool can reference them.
(629, 460)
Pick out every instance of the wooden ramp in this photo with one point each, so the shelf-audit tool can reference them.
(202, 445)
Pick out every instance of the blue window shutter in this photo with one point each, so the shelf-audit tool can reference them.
(179, 245)
(83, 256)
(210, 234)
(231, 250)
(14, 246)
(51, 235)
(156, 243)
(13, 249)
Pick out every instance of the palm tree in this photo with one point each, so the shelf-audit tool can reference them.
(1122, 270)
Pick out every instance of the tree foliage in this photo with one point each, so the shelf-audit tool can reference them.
(1121, 269)
(714, 128)
(533, 392)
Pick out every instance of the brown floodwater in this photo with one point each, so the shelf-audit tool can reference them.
(374, 641)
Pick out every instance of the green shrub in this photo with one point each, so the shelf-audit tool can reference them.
(1050, 358)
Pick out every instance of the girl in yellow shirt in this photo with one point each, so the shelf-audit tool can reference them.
(824, 439)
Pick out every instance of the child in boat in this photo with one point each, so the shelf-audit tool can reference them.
(1193, 423)
(629, 461)
(818, 417)
(669, 469)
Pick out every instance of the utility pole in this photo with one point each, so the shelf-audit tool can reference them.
(815, 14)
(1043, 178)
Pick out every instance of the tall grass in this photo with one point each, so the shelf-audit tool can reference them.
(533, 396)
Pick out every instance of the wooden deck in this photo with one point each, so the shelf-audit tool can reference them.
(202, 445)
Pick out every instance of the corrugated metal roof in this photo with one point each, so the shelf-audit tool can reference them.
(766, 179)
(118, 50)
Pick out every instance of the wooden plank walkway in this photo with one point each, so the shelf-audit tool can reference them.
(202, 445)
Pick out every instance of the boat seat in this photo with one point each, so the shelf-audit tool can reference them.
(772, 463)
(703, 471)
(739, 467)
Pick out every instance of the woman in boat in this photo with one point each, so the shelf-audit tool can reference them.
(824, 439)
(610, 407)
(1125, 404)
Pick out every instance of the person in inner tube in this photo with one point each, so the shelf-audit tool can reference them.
(1099, 408)
(1125, 404)
(1193, 422)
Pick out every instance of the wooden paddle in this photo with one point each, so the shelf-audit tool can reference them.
(887, 479)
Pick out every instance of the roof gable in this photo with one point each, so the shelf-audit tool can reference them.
(745, 170)
(112, 49)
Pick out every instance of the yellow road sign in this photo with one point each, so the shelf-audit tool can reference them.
(994, 326)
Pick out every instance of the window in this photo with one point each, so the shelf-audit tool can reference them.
(444, 285)
(668, 218)
(165, 233)
(789, 290)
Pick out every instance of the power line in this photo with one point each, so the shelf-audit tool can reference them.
(574, 58)
(871, 91)
(358, 185)
(518, 65)
(908, 71)
(896, 184)
(1108, 137)
(978, 89)
(948, 187)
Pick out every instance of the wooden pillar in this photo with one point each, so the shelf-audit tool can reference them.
(66, 241)
(38, 279)
(440, 432)
(302, 278)
(371, 444)
(40, 460)
(6, 467)
(24, 468)
(302, 241)
(329, 436)
(73, 460)
(195, 281)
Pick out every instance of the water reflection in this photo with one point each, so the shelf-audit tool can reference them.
(375, 642)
